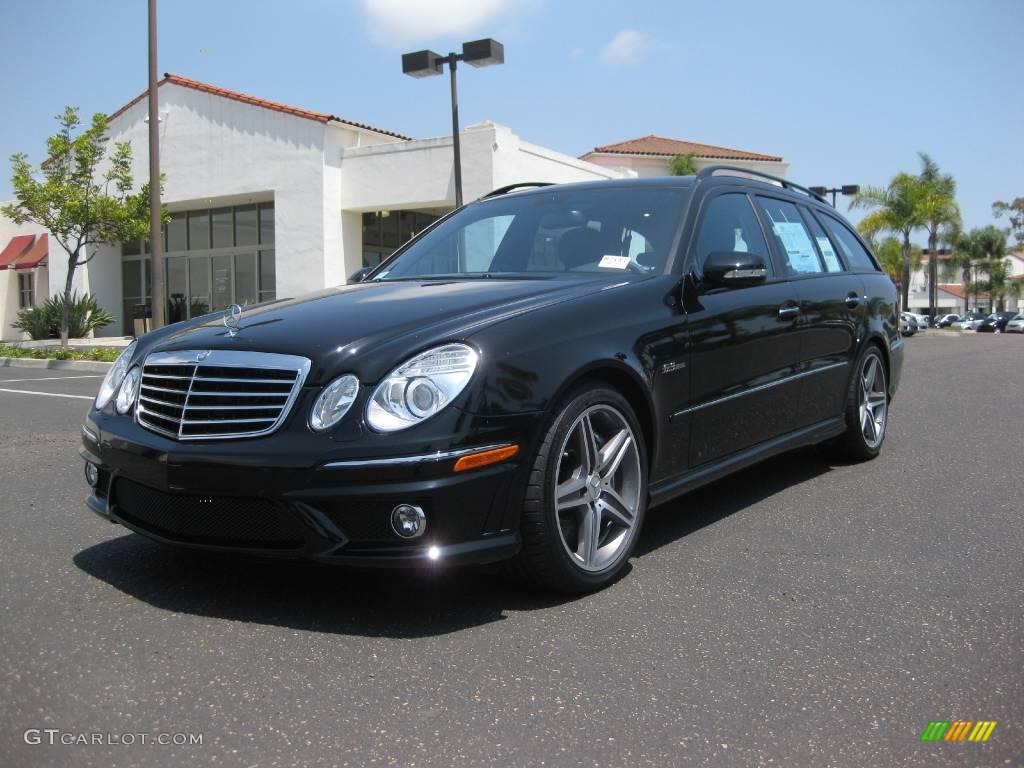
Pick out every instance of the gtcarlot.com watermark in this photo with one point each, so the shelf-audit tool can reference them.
(55, 736)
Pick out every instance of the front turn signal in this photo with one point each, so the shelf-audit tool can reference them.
(484, 458)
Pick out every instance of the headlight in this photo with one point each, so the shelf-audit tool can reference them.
(114, 376)
(334, 402)
(129, 390)
(421, 387)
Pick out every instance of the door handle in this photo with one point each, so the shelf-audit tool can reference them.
(788, 311)
(853, 300)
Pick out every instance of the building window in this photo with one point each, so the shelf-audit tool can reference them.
(26, 291)
(214, 258)
(385, 231)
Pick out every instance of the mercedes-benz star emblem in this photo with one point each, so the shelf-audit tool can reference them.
(232, 317)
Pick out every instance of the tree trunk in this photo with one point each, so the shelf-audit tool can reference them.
(65, 310)
(933, 273)
(967, 284)
(906, 271)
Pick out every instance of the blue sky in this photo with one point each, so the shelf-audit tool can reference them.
(847, 92)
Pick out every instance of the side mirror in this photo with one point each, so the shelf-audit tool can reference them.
(735, 268)
(359, 275)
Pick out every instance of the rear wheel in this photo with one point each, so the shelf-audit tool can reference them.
(587, 494)
(867, 408)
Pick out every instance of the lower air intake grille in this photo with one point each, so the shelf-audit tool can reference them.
(224, 521)
(218, 394)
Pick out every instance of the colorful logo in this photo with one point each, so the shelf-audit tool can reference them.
(958, 730)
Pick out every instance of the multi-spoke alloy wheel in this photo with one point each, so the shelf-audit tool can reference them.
(874, 400)
(867, 408)
(587, 493)
(597, 488)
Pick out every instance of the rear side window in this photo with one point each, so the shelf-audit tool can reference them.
(729, 224)
(792, 238)
(825, 247)
(856, 255)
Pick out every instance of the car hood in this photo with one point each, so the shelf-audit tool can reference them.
(369, 328)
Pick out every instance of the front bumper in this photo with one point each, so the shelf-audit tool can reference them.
(266, 497)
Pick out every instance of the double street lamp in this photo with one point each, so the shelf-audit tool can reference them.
(846, 189)
(478, 53)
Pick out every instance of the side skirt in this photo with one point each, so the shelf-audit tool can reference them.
(666, 490)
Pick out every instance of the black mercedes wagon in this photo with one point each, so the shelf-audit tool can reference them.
(521, 381)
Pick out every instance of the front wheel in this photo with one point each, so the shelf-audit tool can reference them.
(587, 494)
(867, 408)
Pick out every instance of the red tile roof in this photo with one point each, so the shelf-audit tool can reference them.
(662, 147)
(957, 289)
(17, 247)
(320, 117)
(35, 256)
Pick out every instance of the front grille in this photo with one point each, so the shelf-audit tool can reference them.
(224, 521)
(218, 394)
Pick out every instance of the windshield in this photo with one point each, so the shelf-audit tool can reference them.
(609, 230)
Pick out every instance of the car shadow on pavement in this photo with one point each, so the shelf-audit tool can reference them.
(386, 603)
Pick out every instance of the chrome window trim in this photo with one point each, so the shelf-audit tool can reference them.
(422, 458)
(758, 388)
(223, 358)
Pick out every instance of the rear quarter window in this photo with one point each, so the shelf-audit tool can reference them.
(855, 254)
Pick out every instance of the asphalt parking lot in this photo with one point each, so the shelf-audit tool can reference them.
(799, 614)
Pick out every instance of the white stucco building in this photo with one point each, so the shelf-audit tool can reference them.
(269, 200)
(651, 155)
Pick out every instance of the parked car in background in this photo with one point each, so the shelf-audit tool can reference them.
(1016, 324)
(947, 320)
(970, 321)
(996, 322)
(908, 325)
(921, 320)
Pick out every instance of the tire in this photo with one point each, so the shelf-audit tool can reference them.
(583, 510)
(866, 425)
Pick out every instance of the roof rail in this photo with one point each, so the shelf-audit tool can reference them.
(512, 187)
(706, 173)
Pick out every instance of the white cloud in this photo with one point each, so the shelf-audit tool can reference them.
(400, 22)
(627, 46)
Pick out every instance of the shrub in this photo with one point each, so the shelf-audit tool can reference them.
(84, 315)
(35, 322)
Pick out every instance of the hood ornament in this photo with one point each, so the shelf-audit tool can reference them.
(232, 318)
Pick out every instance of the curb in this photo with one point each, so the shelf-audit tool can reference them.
(88, 366)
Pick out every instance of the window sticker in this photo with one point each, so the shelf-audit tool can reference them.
(798, 246)
(614, 262)
(831, 260)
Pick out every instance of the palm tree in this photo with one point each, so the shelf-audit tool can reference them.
(984, 248)
(683, 165)
(890, 256)
(939, 211)
(894, 208)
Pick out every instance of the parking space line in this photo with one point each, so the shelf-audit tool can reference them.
(46, 394)
(54, 378)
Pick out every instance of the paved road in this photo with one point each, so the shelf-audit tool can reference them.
(799, 614)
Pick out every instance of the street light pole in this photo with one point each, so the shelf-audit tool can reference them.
(846, 189)
(478, 53)
(155, 239)
(456, 146)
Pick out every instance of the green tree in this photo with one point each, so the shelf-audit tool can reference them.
(683, 165)
(939, 212)
(890, 255)
(1014, 211)
(81, 195)
(985, 249)
(894, 208)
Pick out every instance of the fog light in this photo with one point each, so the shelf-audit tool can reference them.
(408, 521)
(92, 474)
